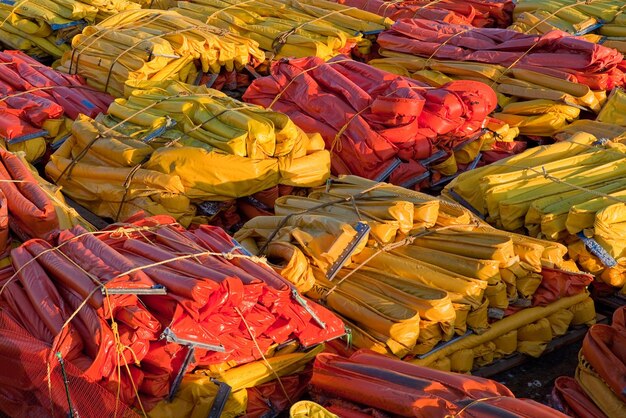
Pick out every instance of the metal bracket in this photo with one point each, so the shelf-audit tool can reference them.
(169, 336)
(597, 250)
(189, 357)
(385, 174)
(223, 393)
(157, 289)
(362, 231)
(441, 346)
(302, 302)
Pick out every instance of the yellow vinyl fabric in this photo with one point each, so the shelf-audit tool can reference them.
(43, 28)
(557, 192)
(403, 289)
(170, 145)
(598, 21)
(154, 45)
(285, 28)
(614, 112)
(308, 409)
(198, 391)
(538, 117)
(511, 85)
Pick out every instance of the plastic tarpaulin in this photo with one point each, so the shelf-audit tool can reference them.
(285, 28)
(478, 13)
(123, 47)
(407, 390)
(375, 116)
(555, 53)
(233, 302)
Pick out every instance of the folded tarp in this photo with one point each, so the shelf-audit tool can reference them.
(479, 13)
(171, 145)
(369, 118)
(555, 53)
(36, 102)
(287, 28)
(132, 297)
(402, 389)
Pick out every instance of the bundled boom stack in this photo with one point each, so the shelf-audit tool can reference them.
(387, 124)
(290, 28)
(44, 28)
(201, 295)
(427, 273)
(38, 104)
(154, 45)
(171, 146)
(570, 192)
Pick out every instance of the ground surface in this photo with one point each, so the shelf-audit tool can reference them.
(535, 378)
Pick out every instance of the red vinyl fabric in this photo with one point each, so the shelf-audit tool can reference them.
(604, 347)
(369, 117)
(32, 93)
(404, 389)
(211, 298)
(570, 397)
(556, 53)
(479, 13)
(30, 211)
(557, 284)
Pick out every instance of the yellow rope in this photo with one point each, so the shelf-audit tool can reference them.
(267, 363)
(474, 402)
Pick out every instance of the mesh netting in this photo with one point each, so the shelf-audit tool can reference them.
(24, 387)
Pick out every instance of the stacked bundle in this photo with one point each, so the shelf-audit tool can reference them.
(570, 192)
(420, 271)
(290, 28)
(154, 44)
(368, 384)
(171, 145)
(136, 307)
(599, 387)
(29, 206)
(599, 21)
(479, 13)
(44, 27)
(572, 16)
(550, 76)
(381, 125)
(37, 103)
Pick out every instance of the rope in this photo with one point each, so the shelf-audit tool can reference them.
(267, 363)
(126, 186)
(235, 5)
(544, 173)
(286, 219)
(390, 247)
(227, 256)
(474, 402)
(281, 39)
(559, 10)
(444, 43)
(45, 88)
(280, 93)
(432, 3)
